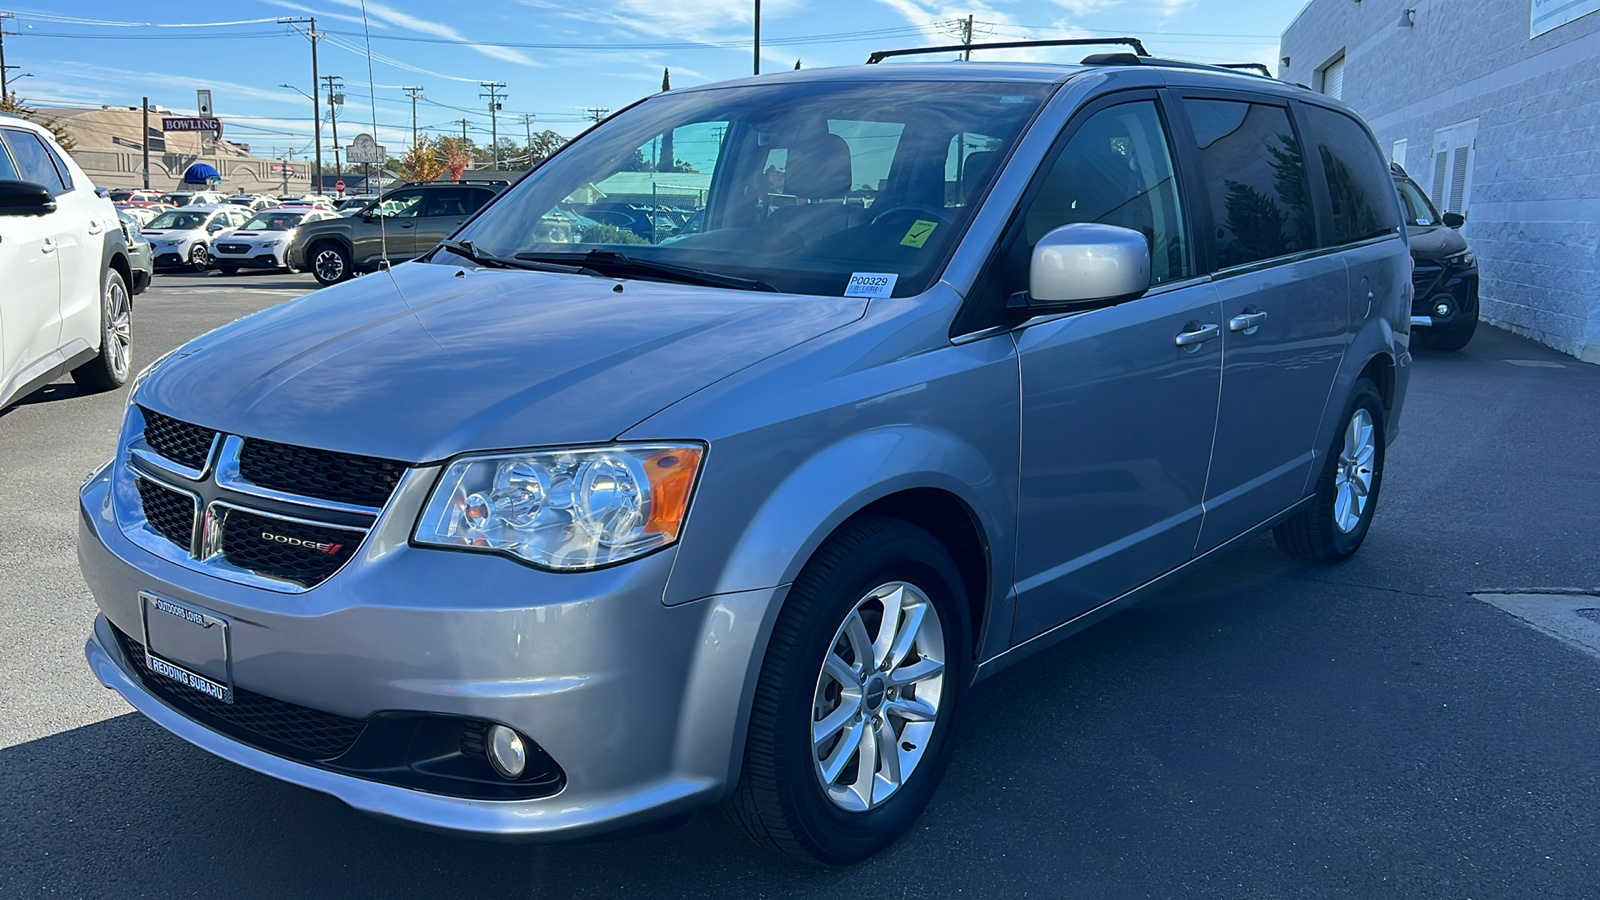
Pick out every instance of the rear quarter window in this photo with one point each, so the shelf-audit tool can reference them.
(1360, 188)
(1255, 177)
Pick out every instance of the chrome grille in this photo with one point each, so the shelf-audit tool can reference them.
(181, 442)
(339, 477)
(275, 515)
(169, 512)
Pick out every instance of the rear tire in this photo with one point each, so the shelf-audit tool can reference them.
(785, 799)
(1333, 526)
(109, 369)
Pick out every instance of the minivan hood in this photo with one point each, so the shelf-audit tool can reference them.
(438, 360)
(1435, 241)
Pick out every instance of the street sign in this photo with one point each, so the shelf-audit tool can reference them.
(192, 123)
(365, 150)
(202, 103)
(283, 169)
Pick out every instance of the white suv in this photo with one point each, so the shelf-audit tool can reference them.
(64, 264)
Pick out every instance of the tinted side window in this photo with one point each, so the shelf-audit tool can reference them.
(447, 202)
(1255, 178)
(1358, 181)
(476, 199)
(61, 167)
(32, 160)
(7, 171)
(1117, 170)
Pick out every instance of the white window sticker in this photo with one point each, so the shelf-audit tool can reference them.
(871, 284)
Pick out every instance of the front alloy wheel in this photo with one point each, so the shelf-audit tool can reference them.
(200, 257)
(329, 264)
(863, 676)
(877, 696)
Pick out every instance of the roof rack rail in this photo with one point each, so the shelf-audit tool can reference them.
(1130, 59)
(1137, 45)
(1258, 68)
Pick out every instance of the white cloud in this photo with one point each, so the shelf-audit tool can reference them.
(321, 14)
(392, 16)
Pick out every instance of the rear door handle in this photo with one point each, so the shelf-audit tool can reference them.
(1247, 322)
(1198, 336)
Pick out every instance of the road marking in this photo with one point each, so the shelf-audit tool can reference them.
(1570, 617)
(1536, 363)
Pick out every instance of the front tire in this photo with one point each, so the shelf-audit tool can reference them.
(109, 369)
(1334, 525)
(852, 717)
(200, 257)
(330, 263)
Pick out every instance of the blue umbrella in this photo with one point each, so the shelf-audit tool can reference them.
(200, 173)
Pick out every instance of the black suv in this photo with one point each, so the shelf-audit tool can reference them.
(1444, 312)
(403, 224)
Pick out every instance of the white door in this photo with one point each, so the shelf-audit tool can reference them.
(77, 231)
(30, 304)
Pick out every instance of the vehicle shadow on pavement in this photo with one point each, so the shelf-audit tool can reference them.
(50, 393)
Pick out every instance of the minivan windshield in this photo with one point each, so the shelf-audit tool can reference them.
(795, 186)
(1418, 209)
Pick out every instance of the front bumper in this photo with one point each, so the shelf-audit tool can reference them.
(1453, 288)
(265, 259)
(642, 705)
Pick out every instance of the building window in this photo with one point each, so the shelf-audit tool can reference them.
(1398, 154)
(1454, 151)
(1330, 78)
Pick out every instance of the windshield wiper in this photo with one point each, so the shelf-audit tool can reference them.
(612, 263)
(465, 248)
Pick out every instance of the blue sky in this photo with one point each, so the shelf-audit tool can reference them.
(574, 54)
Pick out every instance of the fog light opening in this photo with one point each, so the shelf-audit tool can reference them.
(1441, 309)
(508, 752)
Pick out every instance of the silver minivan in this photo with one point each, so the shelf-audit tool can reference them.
(543, 537)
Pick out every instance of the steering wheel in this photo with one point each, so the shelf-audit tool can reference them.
(922, 212)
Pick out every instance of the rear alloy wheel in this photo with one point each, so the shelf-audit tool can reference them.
(200, 257)
(851, 721)
(1333, 526)
(109, 369)
(330, 264)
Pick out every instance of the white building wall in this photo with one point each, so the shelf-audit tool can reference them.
(1533, 205)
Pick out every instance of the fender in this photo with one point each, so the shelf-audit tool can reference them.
(1377, 338)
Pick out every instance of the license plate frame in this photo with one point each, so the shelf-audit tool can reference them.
(186, 630)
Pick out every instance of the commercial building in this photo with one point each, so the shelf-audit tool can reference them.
(108, 145)
(1493, 106)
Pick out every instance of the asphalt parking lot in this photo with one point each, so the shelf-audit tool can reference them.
(1264, 729)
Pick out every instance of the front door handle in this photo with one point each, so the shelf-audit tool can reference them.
(1197, 335)
(406, 225)
(49, 246)
(1247, 322)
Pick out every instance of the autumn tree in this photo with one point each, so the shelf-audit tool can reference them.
(455, 154)
(422, 162)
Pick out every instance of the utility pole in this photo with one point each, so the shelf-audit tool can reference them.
(144, 104)
(414, 93)
(598, 113)
(758, 37)
(463, 134)
(494, 122)
(3, 67)
(968, 39)
(527, 128)
(316, 101)
(335, 96)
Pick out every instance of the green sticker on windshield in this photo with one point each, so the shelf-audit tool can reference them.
(918, 235)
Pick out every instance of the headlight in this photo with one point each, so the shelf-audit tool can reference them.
(1465, 258)
(268, 245)
(564, 509)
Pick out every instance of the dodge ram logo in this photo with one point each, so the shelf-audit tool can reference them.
(296, 542)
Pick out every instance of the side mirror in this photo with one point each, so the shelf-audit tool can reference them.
(24, 198)
(1453, 220)
(1086, 265)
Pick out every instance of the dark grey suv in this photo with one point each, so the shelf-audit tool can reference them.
(541, 539)
(403, 224)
